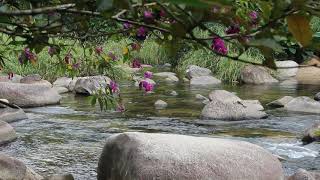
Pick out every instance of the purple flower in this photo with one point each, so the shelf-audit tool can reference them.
(253, 15)
(127, 25)
(114, 87)
(52, 51)
(233, 29)
(141, 32)
(136, 63)
(99, 50)
(148, 74)
(112, 56)
(29, 55)
(148, 14)
(219, 46)
(10, 75)
(76, 66)
(147, 86)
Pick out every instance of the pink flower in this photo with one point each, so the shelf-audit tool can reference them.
(113, 87)
(219, 46)
(99, 50)
(162, 13)
(10, 75)
(147, 86)
(136, 63)
(148, 14)
(127, 25)
(148, 74)
(253, 15)
(76, 66)
(135, 46)
(142, 33)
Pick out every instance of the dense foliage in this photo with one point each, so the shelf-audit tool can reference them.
(278, 28)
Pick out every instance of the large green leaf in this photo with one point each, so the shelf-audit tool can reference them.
(268, 43)
(299, 26)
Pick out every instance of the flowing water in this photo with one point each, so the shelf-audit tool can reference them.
(68, 138)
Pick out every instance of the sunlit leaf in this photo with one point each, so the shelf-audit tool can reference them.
(299, 26)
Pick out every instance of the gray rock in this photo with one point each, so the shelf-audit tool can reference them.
(230, 111)
(29, 95)
(289, 82)
(61, 177)
(173, 93)
(256, 75)
(60, 90)
(280, 102)
(303, 104)
(13, 169)
(159, 104)
(172, 79)
(62, 82)
(7, 133)
(196, 71)
(168, 156)
(223, 95)
(204, 81)
(317, 97)
(225, 105)
(167, 65)
(35, 79)
(164, 74)
(201, 97)
(10, 115)
(302, 174)
(15, 79)
(312, 134)
(5, 101)
(286, 69)
(72, 84)
(90, 85)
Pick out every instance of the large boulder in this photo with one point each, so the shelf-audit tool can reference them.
(286, 69)
(172, 79)
(196, 71)
(7, 133)
(312, 134)
(62, 82)
(317, 97)
(168, 156)
(29, 95)
(90, 85)
(225, 105)
(160, 104)
(35, 79)
(302, 174)
(256, 75)
(280, 102)
(309, 75)
(13, 169)
(204, 81)
(15, 79)
(12, 114)
(303, 104)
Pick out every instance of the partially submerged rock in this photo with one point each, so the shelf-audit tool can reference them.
(91, 84)
(7, 134)
(256, 75)
(225, 105)
(303, 104)
(164, 74)
(15, 79)
(172, 79)
(196, 71)
(302, 174)
(29, 95)
(286, 69)
(13, 169)
(204, 81)
(12, 114)
(159, 104)
(35, 79)
(312, 134)
(280, 102)
(169, 156)
(317, 97)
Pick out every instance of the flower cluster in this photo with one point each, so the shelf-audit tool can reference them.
(114, 87)
(52, 51)
(233, 29)
(136, 63)
(219, 46)
(148, 74)
(99, 50)
(27, 55)
(146, 86)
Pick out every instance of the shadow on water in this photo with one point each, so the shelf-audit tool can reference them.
(69, 138)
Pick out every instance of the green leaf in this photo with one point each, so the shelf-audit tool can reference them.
(93, 100)
(268, 43)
